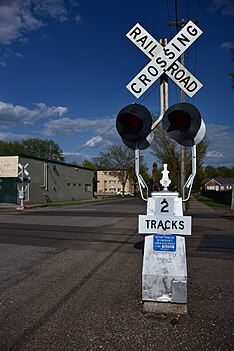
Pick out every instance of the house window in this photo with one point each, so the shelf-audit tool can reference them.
(211, 187)
(88, 187)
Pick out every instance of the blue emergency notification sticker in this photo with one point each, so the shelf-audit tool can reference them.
(164, 242)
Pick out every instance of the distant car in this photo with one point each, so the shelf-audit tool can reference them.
(126, 193)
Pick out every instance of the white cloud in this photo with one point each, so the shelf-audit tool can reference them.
(220, 136)
(227, 45)
(68, 126)
(221, 145)
(78, 157)
(98, 141)
(55, 9)
(78, 19)
(6, 54)
(13, 136)
(214, 154)
(94, 142)
(50, 111)
(17, 17)
(13, 114)
(226, 7)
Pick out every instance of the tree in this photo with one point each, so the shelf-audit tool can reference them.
(210, 172)
(156, 175)
(225, 172)
(88, 164)
(47, 149)
(121, 159)
(201, 153)
(10, 148)
(219, 172)
(168, 151)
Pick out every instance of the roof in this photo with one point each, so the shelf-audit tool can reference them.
(48, 161)
(221, 181)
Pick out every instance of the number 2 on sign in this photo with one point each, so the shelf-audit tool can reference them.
(165, 206)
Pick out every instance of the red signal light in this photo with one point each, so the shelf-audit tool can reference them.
(134, 123)
(131, 123)
(183, 123)
(180, 120)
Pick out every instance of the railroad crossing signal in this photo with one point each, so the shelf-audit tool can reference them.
(133, 124)
(182, 122)
(163, 59)
(23, 174)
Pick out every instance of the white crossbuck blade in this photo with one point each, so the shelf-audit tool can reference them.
(163, 59)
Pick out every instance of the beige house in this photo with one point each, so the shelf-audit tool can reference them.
(218, 184)
(108, 183)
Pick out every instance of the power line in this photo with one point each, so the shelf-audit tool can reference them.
(177, 29)
(87, 144)
(208, 64)
(149, 94)
(101, 135)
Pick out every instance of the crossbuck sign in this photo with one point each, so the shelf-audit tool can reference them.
(163, 59)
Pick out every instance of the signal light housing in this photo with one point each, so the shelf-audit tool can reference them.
(184, 124)
(133, 124)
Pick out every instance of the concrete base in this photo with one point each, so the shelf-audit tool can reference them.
(164, 308)
(164, 274)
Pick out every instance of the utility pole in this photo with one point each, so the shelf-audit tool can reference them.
(163, 86)
(182, 23)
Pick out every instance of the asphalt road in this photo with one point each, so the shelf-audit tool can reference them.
(70, 279)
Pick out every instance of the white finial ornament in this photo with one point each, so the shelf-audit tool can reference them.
(165, 181)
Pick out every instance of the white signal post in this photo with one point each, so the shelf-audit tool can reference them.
(164, 272)
(24, 184)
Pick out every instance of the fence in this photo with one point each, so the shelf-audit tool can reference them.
(223, 197)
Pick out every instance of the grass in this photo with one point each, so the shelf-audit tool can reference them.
(210, 202)
(82, 202)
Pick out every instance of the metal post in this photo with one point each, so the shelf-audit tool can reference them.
(182, 166)
(141, 182)
(182, 23)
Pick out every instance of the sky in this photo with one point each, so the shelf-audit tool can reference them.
(64, 67)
